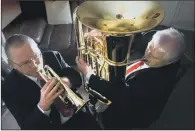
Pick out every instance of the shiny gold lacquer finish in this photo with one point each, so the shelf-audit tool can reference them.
(95, 55)
(120, 18)
(112, 18)
(68, 96)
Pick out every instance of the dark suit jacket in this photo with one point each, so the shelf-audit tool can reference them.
(139, 101)
(21, 95)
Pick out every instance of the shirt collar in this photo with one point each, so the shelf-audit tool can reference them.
(32, 78)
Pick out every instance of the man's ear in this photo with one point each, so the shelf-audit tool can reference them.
(10, 63)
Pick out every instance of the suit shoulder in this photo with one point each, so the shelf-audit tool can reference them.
(50, 53)
(10, 81)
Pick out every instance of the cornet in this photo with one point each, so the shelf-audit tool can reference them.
(68, 97)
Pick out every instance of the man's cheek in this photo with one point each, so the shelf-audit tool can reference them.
(147, 53)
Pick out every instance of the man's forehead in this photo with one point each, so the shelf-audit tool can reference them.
(155, 49)
(163, 41)
(152, 44)
(20, 54)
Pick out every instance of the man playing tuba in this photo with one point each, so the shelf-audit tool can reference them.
(138, 101)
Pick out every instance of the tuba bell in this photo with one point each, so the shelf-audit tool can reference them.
(118, 22)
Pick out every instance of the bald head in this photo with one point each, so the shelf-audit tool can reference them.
(166, 47)
(22, 53)
(17, 41)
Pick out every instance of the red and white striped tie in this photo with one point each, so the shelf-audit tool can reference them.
(130, 69)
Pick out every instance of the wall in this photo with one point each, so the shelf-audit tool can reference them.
(58, 12)
(169, 8)
(10, 10)
(184, 18)
(179, 14)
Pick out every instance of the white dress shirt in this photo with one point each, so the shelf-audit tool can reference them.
(88, 75)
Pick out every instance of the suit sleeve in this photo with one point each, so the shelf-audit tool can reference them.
(27, 118)
(142, 99)
(73, 75)
(107, 88)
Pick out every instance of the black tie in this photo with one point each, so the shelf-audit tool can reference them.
(42, 83)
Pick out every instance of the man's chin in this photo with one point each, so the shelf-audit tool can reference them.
(154, 65)
(150, 64)
(147, 63)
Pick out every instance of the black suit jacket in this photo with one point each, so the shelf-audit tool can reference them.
(139, 101)
(21, 95)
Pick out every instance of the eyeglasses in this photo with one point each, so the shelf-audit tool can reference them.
(28, 62)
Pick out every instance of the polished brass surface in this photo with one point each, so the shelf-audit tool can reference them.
(116, 19)
(120, 18)
(91, 50)
(68, 96)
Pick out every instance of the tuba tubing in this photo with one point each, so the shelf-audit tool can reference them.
(80, 40)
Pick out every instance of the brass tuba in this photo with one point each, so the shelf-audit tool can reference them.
(118, 22)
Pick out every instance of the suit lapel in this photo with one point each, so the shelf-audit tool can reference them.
(136, 73)
(31, 92)
(51, 59)
(29, 89)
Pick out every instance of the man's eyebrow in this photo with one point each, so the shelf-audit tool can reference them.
(23, 62)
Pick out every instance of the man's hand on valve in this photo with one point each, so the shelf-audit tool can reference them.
(50, 91)
(83, 67)
(93, 33)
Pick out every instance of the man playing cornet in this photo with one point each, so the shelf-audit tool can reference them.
(29, 99)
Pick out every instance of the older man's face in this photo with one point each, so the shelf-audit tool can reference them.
(21, 59)
(154, 55)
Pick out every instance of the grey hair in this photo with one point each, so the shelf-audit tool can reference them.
(18, 40)
(172, 50)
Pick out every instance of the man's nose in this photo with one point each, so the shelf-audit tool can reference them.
(148, 55)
